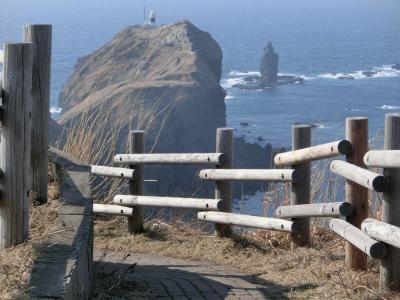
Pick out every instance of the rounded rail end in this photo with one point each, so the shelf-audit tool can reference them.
(202, 174)
(346, 209)
(380, 183)
(220, 205)
(296, 175)
(277, 159)
(223, 159)
(345, 147)
(378, 250)
(332, 165)
(295, 227)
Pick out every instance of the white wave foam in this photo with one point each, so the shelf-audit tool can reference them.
(55, 110)
(389, 107)
(244, 73)
(376, 72)
(229, 97)
(230, 82)
(305, 77)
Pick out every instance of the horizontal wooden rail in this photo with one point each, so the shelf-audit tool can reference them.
(313, 153)
(153, 201)
(250, 174)
(382, 158)
(382, 231)
(111, 172)
(171, 158)
(361, 176)
(1, 57)
(358, 238)
(333, 209)
(248, 221)
(112, 210)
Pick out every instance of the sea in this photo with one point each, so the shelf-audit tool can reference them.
(321, 41)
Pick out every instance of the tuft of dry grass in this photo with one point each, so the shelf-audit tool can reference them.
(16, 262)
(315, 273)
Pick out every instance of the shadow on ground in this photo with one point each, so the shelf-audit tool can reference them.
(122, 276)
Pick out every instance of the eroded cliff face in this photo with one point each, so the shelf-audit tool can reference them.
(176, 67)
(165, 80)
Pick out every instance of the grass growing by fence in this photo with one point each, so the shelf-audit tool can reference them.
(96, 135)
(316, 273)
(16, 262)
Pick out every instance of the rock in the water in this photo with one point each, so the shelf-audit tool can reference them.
(269, 73)
(345, 77)
(269, 66)
(369, 73)
(396, 66)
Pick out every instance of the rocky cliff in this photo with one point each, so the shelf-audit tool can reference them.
(165, 80)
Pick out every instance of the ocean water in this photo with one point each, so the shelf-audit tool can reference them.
(313, 38)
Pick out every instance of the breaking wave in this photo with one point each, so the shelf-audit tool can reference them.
(376, 72)
(389, 107)
(241, 77)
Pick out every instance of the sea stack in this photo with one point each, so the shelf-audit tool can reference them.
(269, 66)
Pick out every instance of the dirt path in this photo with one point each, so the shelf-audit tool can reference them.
(120, 275)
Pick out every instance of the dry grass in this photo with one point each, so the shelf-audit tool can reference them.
(316, 272)
(16, 262)
(96, 134)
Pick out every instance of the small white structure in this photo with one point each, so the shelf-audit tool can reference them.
(151, 21)
(152, 17)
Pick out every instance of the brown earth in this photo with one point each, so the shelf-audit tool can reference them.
(316, 273)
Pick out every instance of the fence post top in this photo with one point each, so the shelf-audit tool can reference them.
(356, 118)
(17, 44)
(392, 115)
(137, 131)
(224, 129)
(301, 126)
(38, 25)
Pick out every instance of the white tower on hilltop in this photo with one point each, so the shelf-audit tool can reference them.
(152, 17)
(150, 22)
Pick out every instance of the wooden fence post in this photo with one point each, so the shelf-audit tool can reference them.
(136, 185)
(223, 189)
(15, 145)
(300, 192)
(40, 36)
(390, 265)
(357, 135)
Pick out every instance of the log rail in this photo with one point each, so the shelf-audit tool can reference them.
(24, 95)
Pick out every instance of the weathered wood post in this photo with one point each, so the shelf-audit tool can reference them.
(136, 185)
(390, 265)
(40, 36)
(300, 192)
(223, 189)
(15, 144)
(357, 135)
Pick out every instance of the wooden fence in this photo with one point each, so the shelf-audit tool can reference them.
(24, 91)
(349, 219)
(24, 94)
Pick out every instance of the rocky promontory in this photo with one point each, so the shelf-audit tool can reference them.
(165, 80)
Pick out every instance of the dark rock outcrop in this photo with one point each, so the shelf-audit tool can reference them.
(269, 66)
(165, 80)
(268, 73)
(396, 67)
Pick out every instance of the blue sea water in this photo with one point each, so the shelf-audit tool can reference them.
(312, 37)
